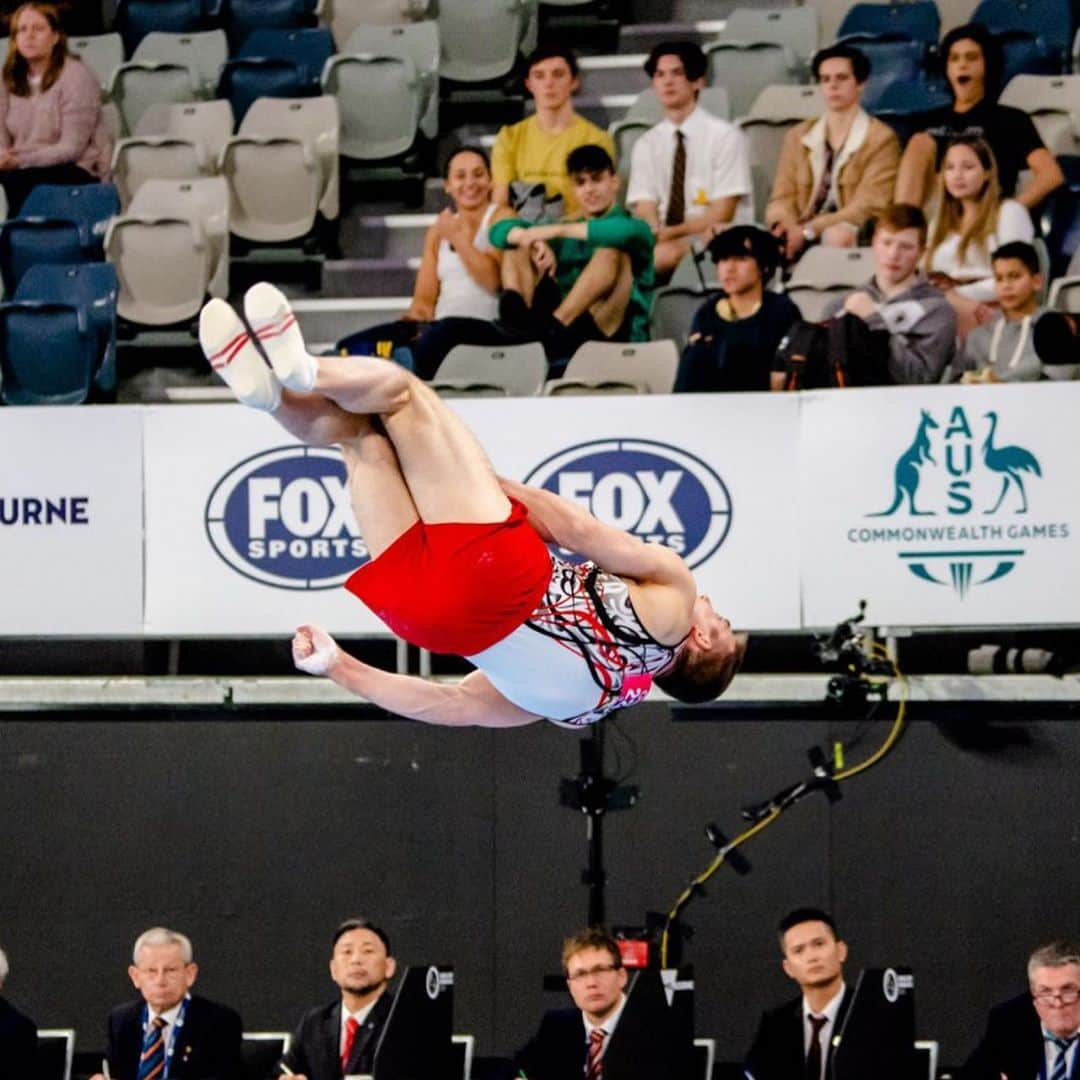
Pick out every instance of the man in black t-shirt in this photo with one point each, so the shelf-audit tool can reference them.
(972, 68)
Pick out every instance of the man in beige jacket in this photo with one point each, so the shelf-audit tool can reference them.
(836, 171)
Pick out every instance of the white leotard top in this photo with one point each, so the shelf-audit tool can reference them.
(581, 654)
(459, 292)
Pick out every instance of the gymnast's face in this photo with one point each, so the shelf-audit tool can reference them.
(712, 633)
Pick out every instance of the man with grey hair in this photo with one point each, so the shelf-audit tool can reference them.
(168, 1033)
(18, 1036)
(1034, 1036)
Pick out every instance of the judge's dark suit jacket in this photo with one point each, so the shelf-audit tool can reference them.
(558, 1051)
(777, 1052)
(18, 1044)
(316, 1044)
(1012, 1046)
(207, 1047)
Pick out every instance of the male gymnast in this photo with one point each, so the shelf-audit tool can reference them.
(459, 562)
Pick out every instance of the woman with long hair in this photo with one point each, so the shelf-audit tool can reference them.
(51, 126)
(972, 222)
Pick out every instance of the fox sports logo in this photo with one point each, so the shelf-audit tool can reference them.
(283, 518)
(657, 492)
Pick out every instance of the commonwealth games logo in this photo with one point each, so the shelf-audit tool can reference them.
(963, 503)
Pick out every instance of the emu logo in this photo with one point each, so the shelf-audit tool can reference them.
(655, 491)
(283, 518)
(955, 471)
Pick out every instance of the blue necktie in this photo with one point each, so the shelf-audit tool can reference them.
(152, 1058)
(1060, 1070)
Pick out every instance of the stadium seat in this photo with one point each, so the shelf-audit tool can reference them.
(605, 367)
(295, 141)
(917, 20)
(903, 105)
(171, 249)
(57, 224)
(828, 267)
(102, 53)
(812, 301)
(1024, 54)
(479, 371)
(135, 19)
(138, 84)
(173, 142)
(275, 63)
(625, 133)
(673, 312)
(204, 53)
(419, 42)
(481, 39)
(47, 352)
(784, 102)
(692, 272)
(795, 27)
(94, 286)
(1048, 21)
(646, 106)
(346, 15)
(892, 60)
(356, 81)
(247, 16)
(1053, 103)
(56, 1049)
(746, 69)
(1061, 221)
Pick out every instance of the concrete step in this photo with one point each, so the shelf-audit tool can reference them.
(327, 320)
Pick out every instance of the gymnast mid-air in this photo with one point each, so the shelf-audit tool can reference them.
(459, 556)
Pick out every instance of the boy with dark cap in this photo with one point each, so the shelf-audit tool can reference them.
(589, 279)
(733, 339)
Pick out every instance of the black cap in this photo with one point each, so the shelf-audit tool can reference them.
(747, 240)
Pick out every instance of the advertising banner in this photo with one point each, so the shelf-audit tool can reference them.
(249, 533)
(71, 521)
(941, 506)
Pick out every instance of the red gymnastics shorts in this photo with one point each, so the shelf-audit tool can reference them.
(457, 588)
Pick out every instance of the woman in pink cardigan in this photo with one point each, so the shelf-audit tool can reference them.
(52, 131)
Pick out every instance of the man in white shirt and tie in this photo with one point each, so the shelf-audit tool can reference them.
(690, 174)
(795, 1040)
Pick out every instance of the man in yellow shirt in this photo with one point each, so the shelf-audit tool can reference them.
(534, 151)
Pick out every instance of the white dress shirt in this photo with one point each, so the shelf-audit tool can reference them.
(717, 165)
(170, 1017)
(1051, 1053)
(359, 1016)
(608, 1026)
(827, 1029)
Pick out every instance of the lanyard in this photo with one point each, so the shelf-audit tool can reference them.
(995, 341)
(174, 1029)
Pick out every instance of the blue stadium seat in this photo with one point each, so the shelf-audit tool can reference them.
(137, 18)
(94, 287)
(893, 59)
(57, 224)
(1048, 20)
(1023, 54)
(275, 63)
(247, 16)
(48, 352)
(918, 20)
(903, 105)
(1061, 220)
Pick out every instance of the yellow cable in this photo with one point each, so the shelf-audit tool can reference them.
(845, 774)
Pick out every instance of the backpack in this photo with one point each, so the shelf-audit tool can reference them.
(843, 351)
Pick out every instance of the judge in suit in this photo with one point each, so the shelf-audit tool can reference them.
(18, 1036)
(588, 1040)
(340, 1039)
(794, 1041)
(1035, 1036)
(168, 1033)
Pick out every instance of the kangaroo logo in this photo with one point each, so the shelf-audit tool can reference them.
(906, 473)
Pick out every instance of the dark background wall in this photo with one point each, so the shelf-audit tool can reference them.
(256, 836)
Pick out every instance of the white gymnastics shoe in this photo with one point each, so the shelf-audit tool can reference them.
(272, 321)
(230, 352)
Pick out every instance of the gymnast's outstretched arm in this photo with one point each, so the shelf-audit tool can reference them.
(473, 702)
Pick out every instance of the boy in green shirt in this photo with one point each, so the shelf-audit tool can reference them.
(590, 279)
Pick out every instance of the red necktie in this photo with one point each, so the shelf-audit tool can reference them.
(594, 1068)
(351, 1028)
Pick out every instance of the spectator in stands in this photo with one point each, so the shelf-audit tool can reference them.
(340, 1038)
(588, 1039)
(459, 270)
(899, 321)
(972, 220)
(533, 153)
(973, 66)
(733, 339)
(690, 174)
(1057, 340)
(796, 1039)
(52, 130)
(1003, 350)
(1035, 1034)
(195, 1039)
(18, 1036)
(588, 279)
(837, 171)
